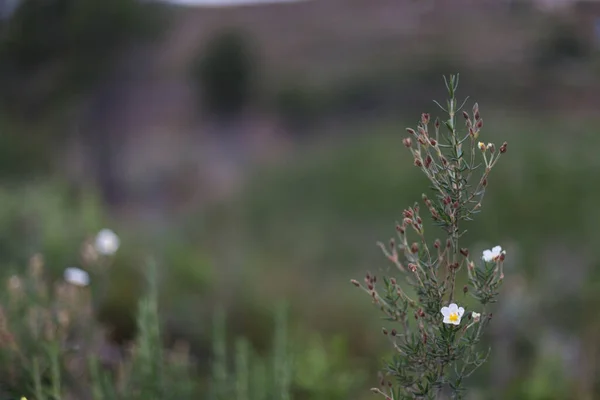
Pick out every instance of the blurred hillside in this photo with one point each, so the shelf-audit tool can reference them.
(256, 153)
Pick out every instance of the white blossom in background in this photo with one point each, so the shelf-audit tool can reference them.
(107, 242)
(476, 316)
(77, 277)
(452, 314)
(493, 254)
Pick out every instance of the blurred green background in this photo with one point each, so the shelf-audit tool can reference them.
(256, 152)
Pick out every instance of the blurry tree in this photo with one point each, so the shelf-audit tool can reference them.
(56, 45)
(224, 73)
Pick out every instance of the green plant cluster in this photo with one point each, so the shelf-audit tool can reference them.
(439, 353)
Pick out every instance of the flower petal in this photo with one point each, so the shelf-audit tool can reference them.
(461, 312)
(445, 312)
(453, 307)
(447, 320)
(497, 250)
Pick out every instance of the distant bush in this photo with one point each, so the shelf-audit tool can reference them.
(559, 43)
(224, 73)
(75, 37)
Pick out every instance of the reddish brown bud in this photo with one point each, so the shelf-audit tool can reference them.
(448, 243)
(501, 257)
(425, 118)
(418, 162)
(374, 280)
(407, 213)
(424, 338)
(476, 115)
(443, 160)
(412, 267)
(411, 131)
(414, 248)
(428, 161)
(433, 141)
(437, 243)
(421, 313)
(456, 204)
(471, 131)
(479, 124)
(370, 286)
(484, 182)
(447, 200)
(407, 142)
(464, 252)
(466, 115)
(465, 289)
(503, 147)
(408, 221)
(394, 332)
(355, 282)
(422, 140)
(492, 148)
(393, 281)
(422, 131)
(384, 331)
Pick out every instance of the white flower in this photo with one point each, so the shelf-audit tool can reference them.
(493, 254)
(476, 316)
(481, 146)
(452, 314)
(77, 277)
(107, 242)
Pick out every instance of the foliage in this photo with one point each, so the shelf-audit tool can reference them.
(78, 36)
(439, 353)
(224, 73)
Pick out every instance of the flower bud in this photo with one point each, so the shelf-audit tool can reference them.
(464, 252)
(411, 131)
(466, 115)
(418, 162)
(437, 243)
(408, 221)
(384, 331)
(414, 248)
(412, 267)
(407, 142)
(491, 147)
(394, 332)
(428, 161)
(425, 118)
(355, 282)
(479, 124)
(481, 146)
(370, 286)
(465, 289)
(407, 213)
(503, 147)
(433, 141)
(393, 281)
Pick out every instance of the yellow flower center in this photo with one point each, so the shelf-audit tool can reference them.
(453, 317)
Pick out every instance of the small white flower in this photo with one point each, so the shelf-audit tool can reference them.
(107, 242)
(476, 316)
(493, 254)
(452, 314)
(77, 277)
(481, 146)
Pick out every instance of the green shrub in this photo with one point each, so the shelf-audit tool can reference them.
(224, 73)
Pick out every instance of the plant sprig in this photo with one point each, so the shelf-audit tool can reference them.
(433, 351)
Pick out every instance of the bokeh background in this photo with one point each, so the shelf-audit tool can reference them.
(255, 151)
